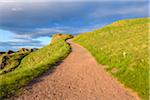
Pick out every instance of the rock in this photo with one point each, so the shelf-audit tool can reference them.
(23, 50)
(33, 49)
(3, 61)
(10, 52)
(27, 50)
(2, 52)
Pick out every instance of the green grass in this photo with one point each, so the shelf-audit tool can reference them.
(123, 48)
(33, 65)
(13, 61)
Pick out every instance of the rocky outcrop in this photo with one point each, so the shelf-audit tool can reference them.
(27, 50)
(6, 56)
(23, 50)
(33, 49)
(10, 52)
(3, 61)
(1, 53)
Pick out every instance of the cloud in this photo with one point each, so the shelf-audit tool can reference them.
(47, 32)
(31, 19)
(64, 0)
(11, 45)
(129, 8)
(28, 16)
(39, 32)
(25, 16)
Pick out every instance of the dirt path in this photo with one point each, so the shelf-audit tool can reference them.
(78, 77)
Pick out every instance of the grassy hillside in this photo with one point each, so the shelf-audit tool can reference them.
(123, 48)
(12, 61)
(33, 65)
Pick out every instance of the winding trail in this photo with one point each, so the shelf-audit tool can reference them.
(78, 77)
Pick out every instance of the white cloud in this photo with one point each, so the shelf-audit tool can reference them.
(16, 9)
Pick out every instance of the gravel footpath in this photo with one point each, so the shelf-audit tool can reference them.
(78, 77)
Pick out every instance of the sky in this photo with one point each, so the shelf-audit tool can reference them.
(31, 23)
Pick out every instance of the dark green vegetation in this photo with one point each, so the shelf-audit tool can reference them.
(123, 48)
(34, 64)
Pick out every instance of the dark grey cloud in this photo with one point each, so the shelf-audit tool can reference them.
(37, 14)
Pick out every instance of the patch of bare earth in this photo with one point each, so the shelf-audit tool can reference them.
(78, 77)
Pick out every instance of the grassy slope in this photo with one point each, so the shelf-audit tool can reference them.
(13, 61)
(33, 65)
(123, 48)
